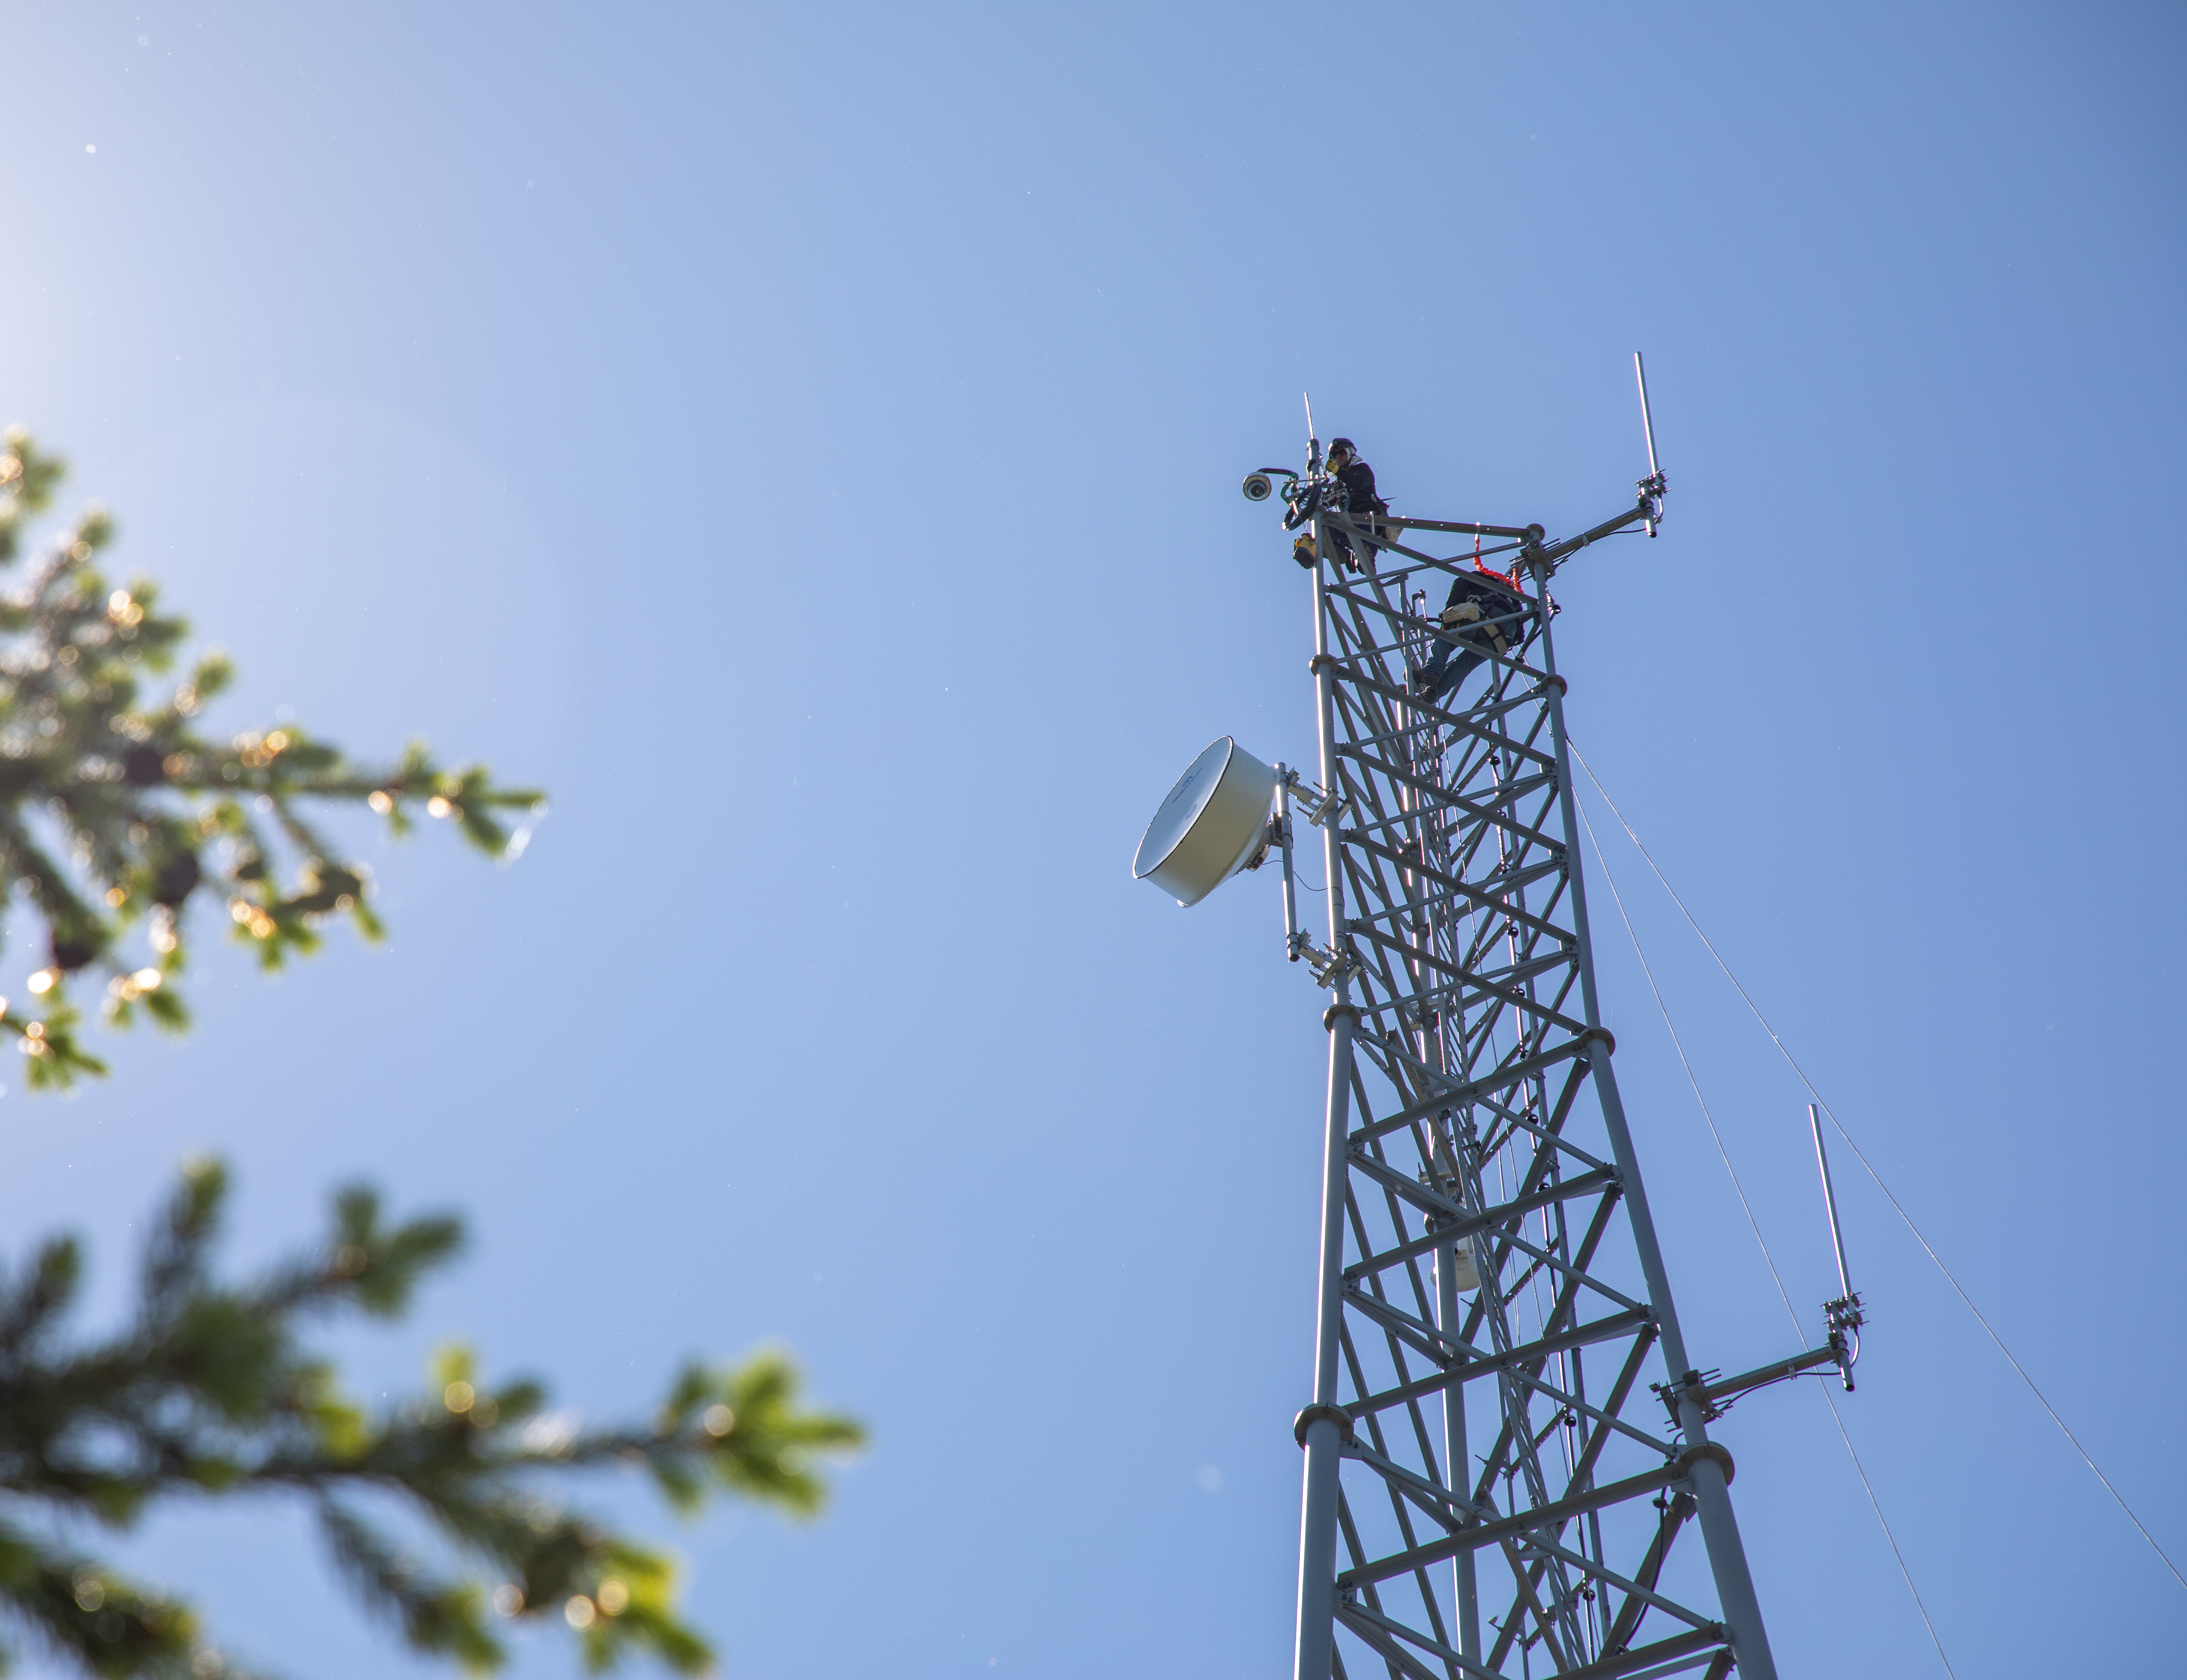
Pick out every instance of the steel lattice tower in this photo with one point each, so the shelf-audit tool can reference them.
(1493, 1486)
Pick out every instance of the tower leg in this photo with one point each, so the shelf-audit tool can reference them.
(1457, 1462)
(1727, 1556)
(1323, 1437)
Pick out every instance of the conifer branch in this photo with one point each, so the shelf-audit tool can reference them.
(209, 1390)
(151, 815)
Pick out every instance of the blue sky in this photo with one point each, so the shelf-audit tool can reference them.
(806, 441)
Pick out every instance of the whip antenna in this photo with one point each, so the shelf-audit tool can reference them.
(1652, 486)
(1844, 1315)
(1830, 1199)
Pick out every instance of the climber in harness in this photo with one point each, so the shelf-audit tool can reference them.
(1487, 613)
(1368, 510)
(1349, 489)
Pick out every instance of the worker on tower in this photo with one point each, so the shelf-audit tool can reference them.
(1368, 510)
(1485, 613)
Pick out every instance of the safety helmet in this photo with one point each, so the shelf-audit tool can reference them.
(1342, 446)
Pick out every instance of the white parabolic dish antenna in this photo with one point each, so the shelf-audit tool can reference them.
(1213, 821)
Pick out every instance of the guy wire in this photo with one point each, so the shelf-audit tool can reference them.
(1869, 1167)
(1754, 1224)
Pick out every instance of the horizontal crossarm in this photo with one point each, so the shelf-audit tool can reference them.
(1551, 1517)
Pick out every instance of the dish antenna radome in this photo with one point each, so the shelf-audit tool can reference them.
(1214, 820)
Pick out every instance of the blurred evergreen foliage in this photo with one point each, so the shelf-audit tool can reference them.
(117, 813)
(209, 1391)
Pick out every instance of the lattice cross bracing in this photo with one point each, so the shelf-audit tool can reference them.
(1510, 1496)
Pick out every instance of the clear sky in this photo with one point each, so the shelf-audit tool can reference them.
(807, 439)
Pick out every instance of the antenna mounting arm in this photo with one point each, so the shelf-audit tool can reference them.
(1647, 511)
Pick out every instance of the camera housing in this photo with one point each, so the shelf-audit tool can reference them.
(1257, 487)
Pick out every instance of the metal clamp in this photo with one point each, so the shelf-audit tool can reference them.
(1714, 1451)
(1336, 1414)
(1325, 807)
(1329, 967)
(1845, 1318)
(1693, 1382)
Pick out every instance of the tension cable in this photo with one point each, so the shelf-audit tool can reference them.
(1869, 1167)
(1754, 1224)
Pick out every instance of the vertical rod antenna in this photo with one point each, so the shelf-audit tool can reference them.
(1830, 1200)
(1651, 488)
(1647, 424)
(1312, 440)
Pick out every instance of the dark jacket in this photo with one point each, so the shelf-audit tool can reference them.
(1357, 479)
(1499, 617)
